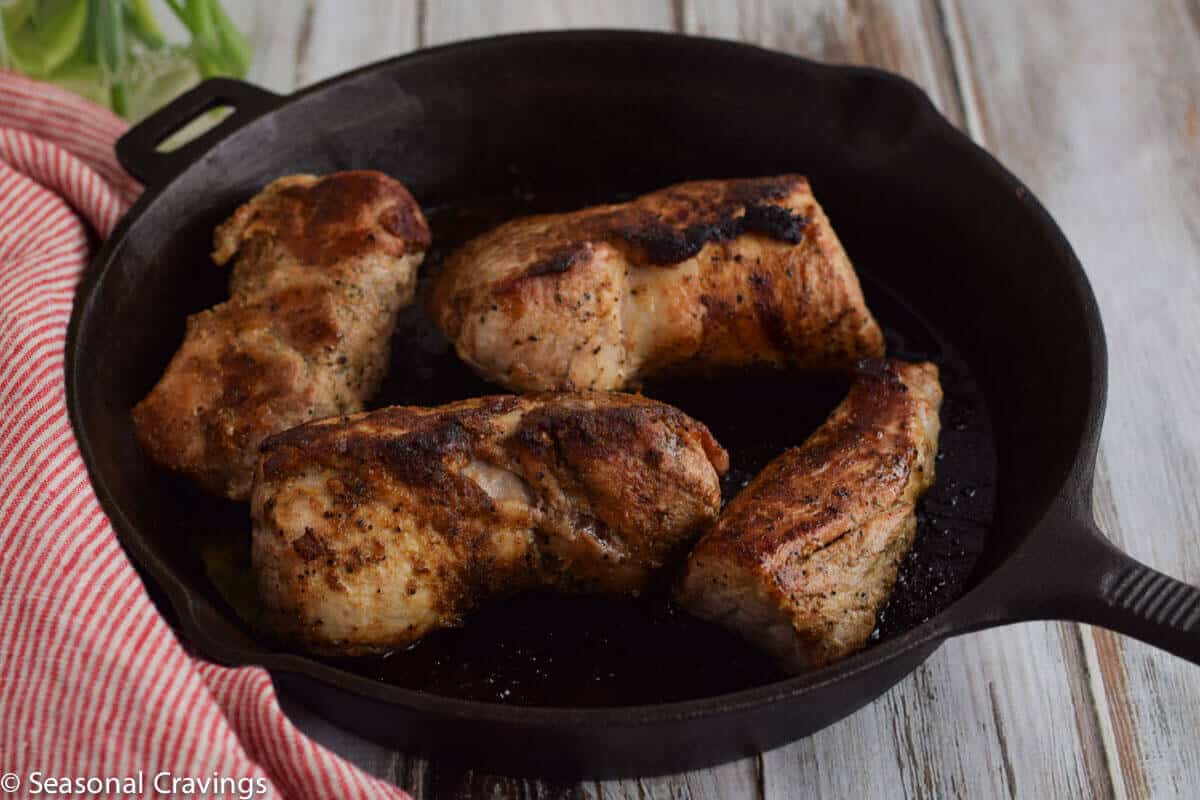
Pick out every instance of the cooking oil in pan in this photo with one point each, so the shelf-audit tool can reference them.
(556, 650)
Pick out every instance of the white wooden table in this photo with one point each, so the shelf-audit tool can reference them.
(1096, 105)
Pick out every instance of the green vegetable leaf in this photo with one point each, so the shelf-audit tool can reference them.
(14, 15)
(43, 41)
(108, 38)
(157, 78)
(231, 41)
(219, 47)
(114, 50)
(86, 80)
(142, 23)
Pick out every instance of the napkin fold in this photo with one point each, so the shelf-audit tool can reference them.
(94, 685)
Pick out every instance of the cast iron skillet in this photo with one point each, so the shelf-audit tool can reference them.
(929, 218)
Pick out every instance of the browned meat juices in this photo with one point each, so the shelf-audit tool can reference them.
(371, 530)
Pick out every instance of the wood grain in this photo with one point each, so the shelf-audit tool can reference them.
(904, 36)
(378, 29)
(1097, 107)
(300, 43)
(451, 20)
(960, 725)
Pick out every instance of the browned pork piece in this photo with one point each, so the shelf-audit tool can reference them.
(320, 268)
(373, 530)
(698, 277)
(802, 560)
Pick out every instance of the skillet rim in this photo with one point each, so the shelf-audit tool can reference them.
(1072, 497)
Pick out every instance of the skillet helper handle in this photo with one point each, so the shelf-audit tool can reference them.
(138, 150)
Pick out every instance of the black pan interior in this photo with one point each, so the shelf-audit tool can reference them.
(552, 650)
(953, 268)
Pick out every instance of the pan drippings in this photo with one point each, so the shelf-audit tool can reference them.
(556, 650)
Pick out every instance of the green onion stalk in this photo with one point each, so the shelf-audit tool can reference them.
(113, 52)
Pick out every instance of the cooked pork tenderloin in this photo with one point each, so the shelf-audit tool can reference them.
(320, 268)
(803, 559)
(698, 277)
(373, 530)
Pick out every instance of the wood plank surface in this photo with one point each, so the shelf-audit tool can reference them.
(451, 20)
(960, 726)
(1097, 107)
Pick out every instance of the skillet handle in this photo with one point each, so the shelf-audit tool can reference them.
(1070, 571)
(1136, 600)
(137, 149)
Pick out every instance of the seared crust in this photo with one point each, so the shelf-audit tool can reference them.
(320, 268)
(801, 561)
(701, 276)
(373, 530)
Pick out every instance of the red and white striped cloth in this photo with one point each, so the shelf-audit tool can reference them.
(93, 683)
